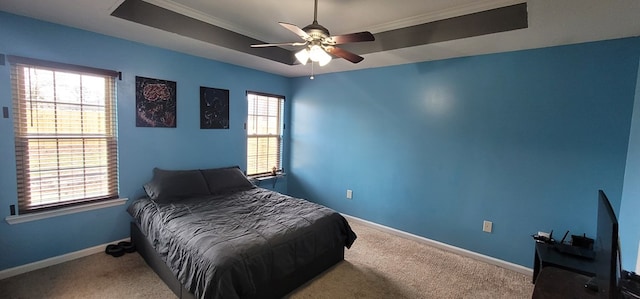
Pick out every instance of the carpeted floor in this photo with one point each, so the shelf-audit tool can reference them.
(379, 265)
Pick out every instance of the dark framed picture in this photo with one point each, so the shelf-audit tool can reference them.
(214, 108)
(155, 103)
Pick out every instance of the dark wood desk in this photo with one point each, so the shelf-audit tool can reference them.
(559, 276)
(556, 283)
(547, 255)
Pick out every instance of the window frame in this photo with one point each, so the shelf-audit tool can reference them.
(107, 140)
(279, 135)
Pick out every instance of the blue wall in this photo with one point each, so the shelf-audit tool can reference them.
(524, 139)
(140, 149)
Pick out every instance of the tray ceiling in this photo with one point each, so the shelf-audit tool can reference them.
(407, 31)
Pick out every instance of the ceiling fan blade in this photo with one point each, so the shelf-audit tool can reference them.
(295, 29)
(364, 36)
(344, 54)
(278, 45)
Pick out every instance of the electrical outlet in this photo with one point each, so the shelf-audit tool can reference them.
(349, 194)
(487, 226)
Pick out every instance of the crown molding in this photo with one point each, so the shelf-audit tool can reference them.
(477, 6)
(201, 16)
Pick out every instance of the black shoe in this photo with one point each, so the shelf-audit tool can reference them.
(114, 250)
(128, 247)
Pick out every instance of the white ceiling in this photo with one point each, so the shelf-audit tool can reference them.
(551, 22)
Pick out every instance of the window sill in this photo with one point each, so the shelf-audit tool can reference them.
(257, 180)
(268, 177)
(64, 211)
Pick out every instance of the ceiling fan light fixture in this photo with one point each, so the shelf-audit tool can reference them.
(319, 55)
(303, 56)
(325, 58)
(314, 53)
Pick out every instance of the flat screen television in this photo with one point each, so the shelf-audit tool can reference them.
(607, 249)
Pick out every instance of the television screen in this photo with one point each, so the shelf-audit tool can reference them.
(607, 249)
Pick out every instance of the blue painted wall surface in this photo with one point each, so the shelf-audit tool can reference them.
(524, 139)
(140, 149)
(630, 207)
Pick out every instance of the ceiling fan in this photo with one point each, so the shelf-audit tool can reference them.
(319, 44)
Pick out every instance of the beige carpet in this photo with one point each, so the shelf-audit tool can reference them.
(379, 265)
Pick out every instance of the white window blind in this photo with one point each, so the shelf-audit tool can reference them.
(264, 133)
(65, 134)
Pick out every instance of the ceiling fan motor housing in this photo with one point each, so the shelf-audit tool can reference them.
(317, 31)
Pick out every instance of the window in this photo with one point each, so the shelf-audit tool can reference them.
(65, 134)
(264, 133)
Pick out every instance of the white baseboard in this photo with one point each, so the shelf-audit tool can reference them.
(638, 260)
(55, 260)
(100, 248)
(447, 247)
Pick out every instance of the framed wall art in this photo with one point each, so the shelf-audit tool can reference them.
(155, 103)
(214, 108)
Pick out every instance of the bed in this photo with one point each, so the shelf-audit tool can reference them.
(213, 234)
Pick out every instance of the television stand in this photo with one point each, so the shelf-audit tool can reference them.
(547, 255)
(630, 285)
(558, 283)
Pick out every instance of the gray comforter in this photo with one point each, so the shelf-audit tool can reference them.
(225, 246)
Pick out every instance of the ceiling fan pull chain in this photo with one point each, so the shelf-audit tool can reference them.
(311, 71)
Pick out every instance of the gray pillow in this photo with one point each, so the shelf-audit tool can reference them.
(171, 185)
(223, 180)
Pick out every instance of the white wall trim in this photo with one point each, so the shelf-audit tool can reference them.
(436, 15)
(638, 260)
(447, 247)
(65, 211)
(431, 16)
(55, 260)
(100, 248)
